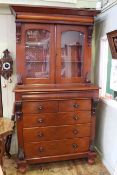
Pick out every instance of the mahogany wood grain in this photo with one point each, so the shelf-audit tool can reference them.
(74, 105)
(69, 87)
(56, 132)
(51, 148)
(55, 18)
(65, 95)
(56, 158)
(56, 119)
(54, 10)
(40, 107)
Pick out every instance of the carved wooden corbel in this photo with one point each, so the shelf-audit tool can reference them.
(18, 33)
(21, 155)
(87, 77)
(95, 102)
(90, 32)
(92, 146)
(18, 109)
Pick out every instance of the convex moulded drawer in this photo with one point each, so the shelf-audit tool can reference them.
(57, 147)
(56, 119)
(36, 134)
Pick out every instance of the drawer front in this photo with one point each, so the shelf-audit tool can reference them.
(74, 105)
(56, 133)
(56, 119)
(53, 148)
(40, 107)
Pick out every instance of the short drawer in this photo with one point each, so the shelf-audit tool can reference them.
(56, 119)
(56, 133)
(40, 107)
(74, 105)
(58, 147)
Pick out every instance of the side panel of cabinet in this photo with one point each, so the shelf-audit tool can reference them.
(72, 54)
(36, 53)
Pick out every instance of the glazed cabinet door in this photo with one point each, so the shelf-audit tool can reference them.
(72, 55)
(38, 52)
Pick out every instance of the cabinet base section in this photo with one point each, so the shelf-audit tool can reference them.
(23, 164)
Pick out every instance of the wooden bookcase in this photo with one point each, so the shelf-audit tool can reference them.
(55, 101)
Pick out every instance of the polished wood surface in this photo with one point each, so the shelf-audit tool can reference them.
(55, 101)
(55, 10)
(51, 133)
(62, 147)
(40, 107)
(56, 119)
(56, 87)
(74, 105)
(55, 18)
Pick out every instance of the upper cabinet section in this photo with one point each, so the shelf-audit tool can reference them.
(53, 44)
(37, 53)
(71, 57)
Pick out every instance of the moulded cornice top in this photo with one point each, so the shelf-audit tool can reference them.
(55, 10)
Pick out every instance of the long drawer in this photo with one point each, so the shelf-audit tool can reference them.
(56, 119)
(58, 147)
(40, 106)
(74, 105)
(55, 132)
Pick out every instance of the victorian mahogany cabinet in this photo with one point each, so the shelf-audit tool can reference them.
(55, 101)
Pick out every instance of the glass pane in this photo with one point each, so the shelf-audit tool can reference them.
(37, 53)
(72, 54)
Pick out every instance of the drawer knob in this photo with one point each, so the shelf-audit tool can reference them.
(41, 149)
(76, 117)
(75, 146)
(40, 107)
(40, 134)
(40, 120)
(76, 105)
(75, 131)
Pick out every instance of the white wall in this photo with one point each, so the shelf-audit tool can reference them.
(106, 132)
(106, 135)
(61, 3)
(7, 41)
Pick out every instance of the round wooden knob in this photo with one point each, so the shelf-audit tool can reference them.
(75, 146)
(40, 107)
(75, 131)
(40, 120)
(76, 117)
(75, 105)
(41, 149)
(40, 134)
